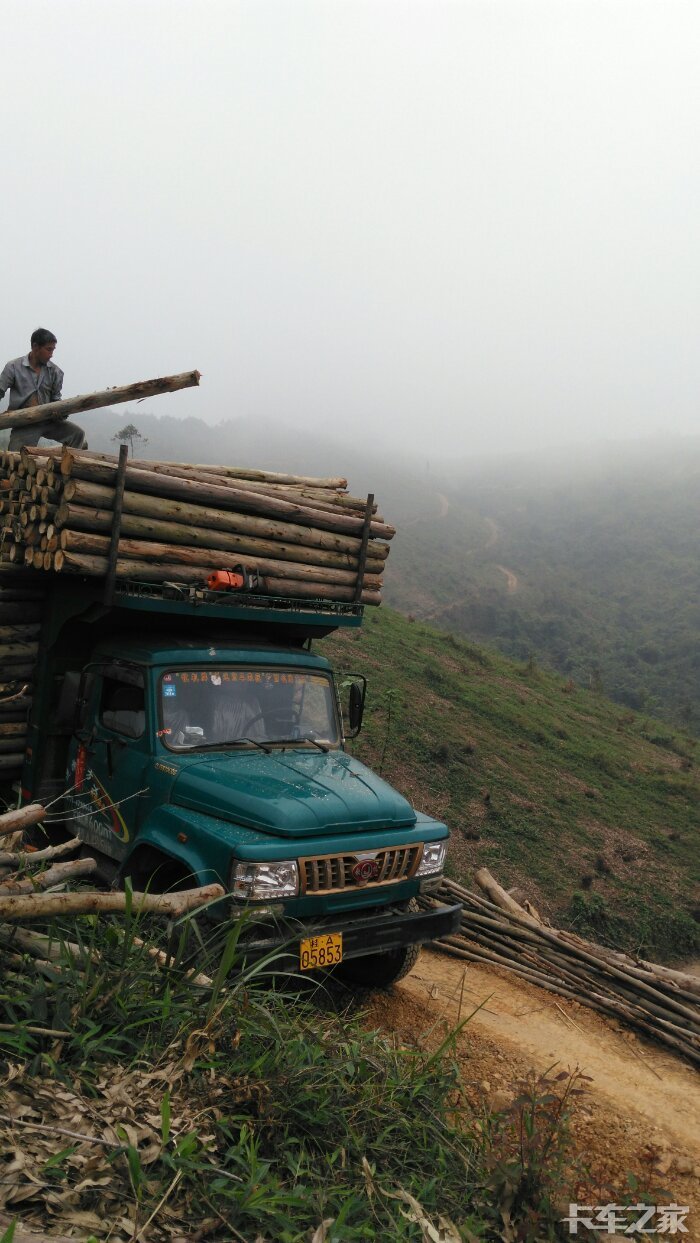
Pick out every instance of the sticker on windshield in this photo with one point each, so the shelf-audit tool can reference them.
(169, 691)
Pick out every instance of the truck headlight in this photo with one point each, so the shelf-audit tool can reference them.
(263, 882)
(433, 860)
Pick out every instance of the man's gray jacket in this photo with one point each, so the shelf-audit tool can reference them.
(24, 384)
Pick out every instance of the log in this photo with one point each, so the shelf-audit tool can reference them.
(21, 818)
(208, 558)
(99, 468)
(56, 410)
(46, 905)
(11, 763)
(498, 896)
(99, 497)
(13, 729)
(15, 674)
(147, 572)
(236, 472)
(32, 858)
(57, 874)
(136, 526)
(238, 499)
(9, 746)
(19, 634)
(23, 650)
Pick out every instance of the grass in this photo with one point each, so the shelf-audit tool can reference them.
(243, 1111)
(537, 780)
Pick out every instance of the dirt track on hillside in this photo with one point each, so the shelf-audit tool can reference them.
(641, 1111)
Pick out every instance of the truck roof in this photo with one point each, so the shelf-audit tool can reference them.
(174, 649)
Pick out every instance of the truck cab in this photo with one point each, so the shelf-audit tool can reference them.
(196, 740)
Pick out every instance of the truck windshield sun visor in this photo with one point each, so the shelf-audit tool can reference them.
(214, 707)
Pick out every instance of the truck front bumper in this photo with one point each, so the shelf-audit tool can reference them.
(362, 934)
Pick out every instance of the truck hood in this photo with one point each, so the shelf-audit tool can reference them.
(291, 793)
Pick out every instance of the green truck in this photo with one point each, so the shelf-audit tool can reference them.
(199, 737)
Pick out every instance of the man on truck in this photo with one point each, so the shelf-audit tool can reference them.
(34, 380)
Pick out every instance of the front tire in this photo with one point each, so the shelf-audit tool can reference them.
(378, 970)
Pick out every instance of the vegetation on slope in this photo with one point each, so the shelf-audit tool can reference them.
(138, 1106)
(590, 808)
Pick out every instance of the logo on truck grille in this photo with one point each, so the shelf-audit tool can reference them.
(364, 871)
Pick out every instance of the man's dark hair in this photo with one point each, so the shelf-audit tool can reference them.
(42, 336)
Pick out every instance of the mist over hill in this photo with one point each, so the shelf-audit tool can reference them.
(586, 561)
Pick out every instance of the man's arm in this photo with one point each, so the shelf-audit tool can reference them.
(6, 378)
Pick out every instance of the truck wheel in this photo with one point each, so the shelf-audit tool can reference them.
(378, 970)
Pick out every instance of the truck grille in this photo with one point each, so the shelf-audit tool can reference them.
(334, 873)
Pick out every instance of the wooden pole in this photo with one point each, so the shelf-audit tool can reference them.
(54, 410)
(116, 525)
(363, 547)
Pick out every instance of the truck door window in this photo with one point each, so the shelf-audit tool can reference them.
(122, 708)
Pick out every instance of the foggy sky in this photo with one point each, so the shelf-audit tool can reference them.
(452, 227)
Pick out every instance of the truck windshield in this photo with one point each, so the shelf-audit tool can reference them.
(209, 708)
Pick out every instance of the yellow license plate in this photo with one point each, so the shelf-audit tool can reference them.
(323, 951)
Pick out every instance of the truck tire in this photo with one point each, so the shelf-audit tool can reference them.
(378, 970)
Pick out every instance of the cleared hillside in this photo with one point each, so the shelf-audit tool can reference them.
(591, 809)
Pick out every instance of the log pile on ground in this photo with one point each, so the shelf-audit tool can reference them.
(304, 537)
(33, 885)
(658, 1001)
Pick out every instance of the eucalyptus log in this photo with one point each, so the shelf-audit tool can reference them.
(136, 526)
(23, 650)
(144, 571)
(14, 675)
(18, 634)
(239, 499)
(99, 468)
(57, 874)
(21, 818)
(10, 747)
(237, 472)
(45, 905)
(56, 410)
(91, 494)
(208, 558)
(11, 763)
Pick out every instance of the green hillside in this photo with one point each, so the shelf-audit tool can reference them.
(592, 810)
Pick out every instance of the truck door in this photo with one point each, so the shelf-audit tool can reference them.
(112, 761)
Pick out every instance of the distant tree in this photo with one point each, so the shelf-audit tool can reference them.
(132, 436)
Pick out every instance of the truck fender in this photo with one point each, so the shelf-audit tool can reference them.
(159, 847)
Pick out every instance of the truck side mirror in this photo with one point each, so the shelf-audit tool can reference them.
(356, 704)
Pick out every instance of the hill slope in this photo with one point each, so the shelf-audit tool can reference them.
(591, 809)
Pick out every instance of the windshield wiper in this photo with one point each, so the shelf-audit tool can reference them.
(233, 742)
(288, 742)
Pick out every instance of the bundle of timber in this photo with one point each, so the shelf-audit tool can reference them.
(84, 513)
(660, 1002)
(21, 600)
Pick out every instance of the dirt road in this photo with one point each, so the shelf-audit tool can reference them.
(642, 1108)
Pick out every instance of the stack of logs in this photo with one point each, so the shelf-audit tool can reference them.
(305, 538)
(21, 599)
(496, 931)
